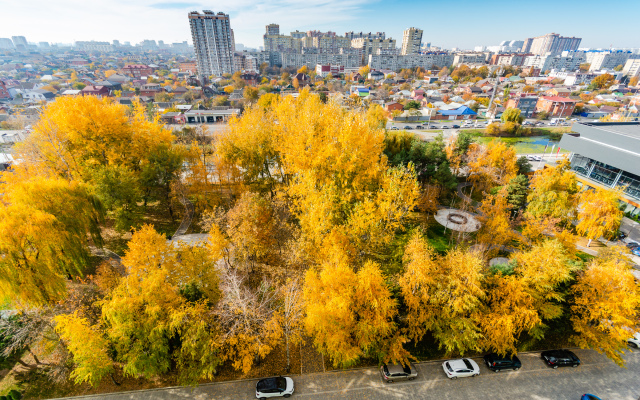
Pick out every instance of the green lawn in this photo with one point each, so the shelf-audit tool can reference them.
(526, 145)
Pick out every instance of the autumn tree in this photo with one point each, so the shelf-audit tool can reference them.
(553, 193)
(46, 226)
(634, 81)
(528, 89)
(100, 143)
(599, 213)
(603, 81)
(508, 311)
(168, 293)
(443, 295)
(303, 70)
(349, 313)
(543, 269)
(248, 320)
(290, 315)
(496, 227)
(88, 346)
(492, 165)
(605, 306)
(512, 115)
(250, 93)
(364, 71)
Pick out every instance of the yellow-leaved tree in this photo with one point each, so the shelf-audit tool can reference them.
(493, 164)
(88, 346)
(46, 226)
(605, 306)
(169, 292)
(542, 269)
(599, 213)
(553, 193)
(509, 310)
(496, 226)
(348, 313)
(443, 295)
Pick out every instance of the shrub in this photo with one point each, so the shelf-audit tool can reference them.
(493, 129)
(15, 395)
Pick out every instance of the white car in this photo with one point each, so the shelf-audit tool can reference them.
(460, 368)
(279, 386)
(635, 340)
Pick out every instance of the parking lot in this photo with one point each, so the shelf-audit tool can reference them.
(534, 381)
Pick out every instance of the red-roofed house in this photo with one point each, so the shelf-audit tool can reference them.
(100, 91)
(137, 70)
(556, 106)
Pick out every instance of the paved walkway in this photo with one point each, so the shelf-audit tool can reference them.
(535, 381)
(188, 216)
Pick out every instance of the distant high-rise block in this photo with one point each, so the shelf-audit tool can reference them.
(411, 41)
(6, 44)
(213, 42)
(552, 43)
(273, 29)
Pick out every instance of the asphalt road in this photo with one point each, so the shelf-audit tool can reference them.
(534, 381)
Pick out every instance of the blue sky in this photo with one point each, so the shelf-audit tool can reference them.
(462, 23)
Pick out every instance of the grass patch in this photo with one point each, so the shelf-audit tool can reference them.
(584, 257)
(438, 238)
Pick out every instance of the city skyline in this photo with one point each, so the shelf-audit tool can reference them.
(165, 21)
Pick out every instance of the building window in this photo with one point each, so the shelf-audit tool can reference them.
(630, 184)
(604, 173)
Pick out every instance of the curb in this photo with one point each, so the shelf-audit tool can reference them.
(94, 396)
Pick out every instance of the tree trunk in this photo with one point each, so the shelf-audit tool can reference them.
(113, 379)
(589, 243)
(288, 357)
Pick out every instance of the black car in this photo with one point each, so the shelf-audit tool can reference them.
(560, 358)
(407, 127)
(419, 127)
(632, 245)
(497, 363)
(455, 126)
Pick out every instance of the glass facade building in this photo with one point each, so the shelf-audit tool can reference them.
(607, 155)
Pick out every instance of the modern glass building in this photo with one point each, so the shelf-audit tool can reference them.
(607, 154)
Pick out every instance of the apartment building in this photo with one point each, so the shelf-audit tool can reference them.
(552, 43)
(631, 68)
(396, 62)
(212, 42)
(411, 41)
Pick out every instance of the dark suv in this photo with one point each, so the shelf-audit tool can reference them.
(560, 358)
(497, 363)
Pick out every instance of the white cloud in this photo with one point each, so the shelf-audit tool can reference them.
(134, 20)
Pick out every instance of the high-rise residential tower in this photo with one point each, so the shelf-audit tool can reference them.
(411, 41)
(272, 29)
(212, 42)
(552, 43)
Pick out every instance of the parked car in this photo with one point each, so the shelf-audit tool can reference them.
(455, 126)
(419, 127)
(537, 158)
(589, 396)
(635, 340)
(393, 128)
(279, 386)
(445, 127)
(407, 127)
(498, 363)
(632, 245)
(636, 251)
(560, 358)
(398, 372)
(460, 368)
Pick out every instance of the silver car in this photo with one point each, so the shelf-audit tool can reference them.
(398, 372)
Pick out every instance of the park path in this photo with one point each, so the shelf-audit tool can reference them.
(188, 217)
